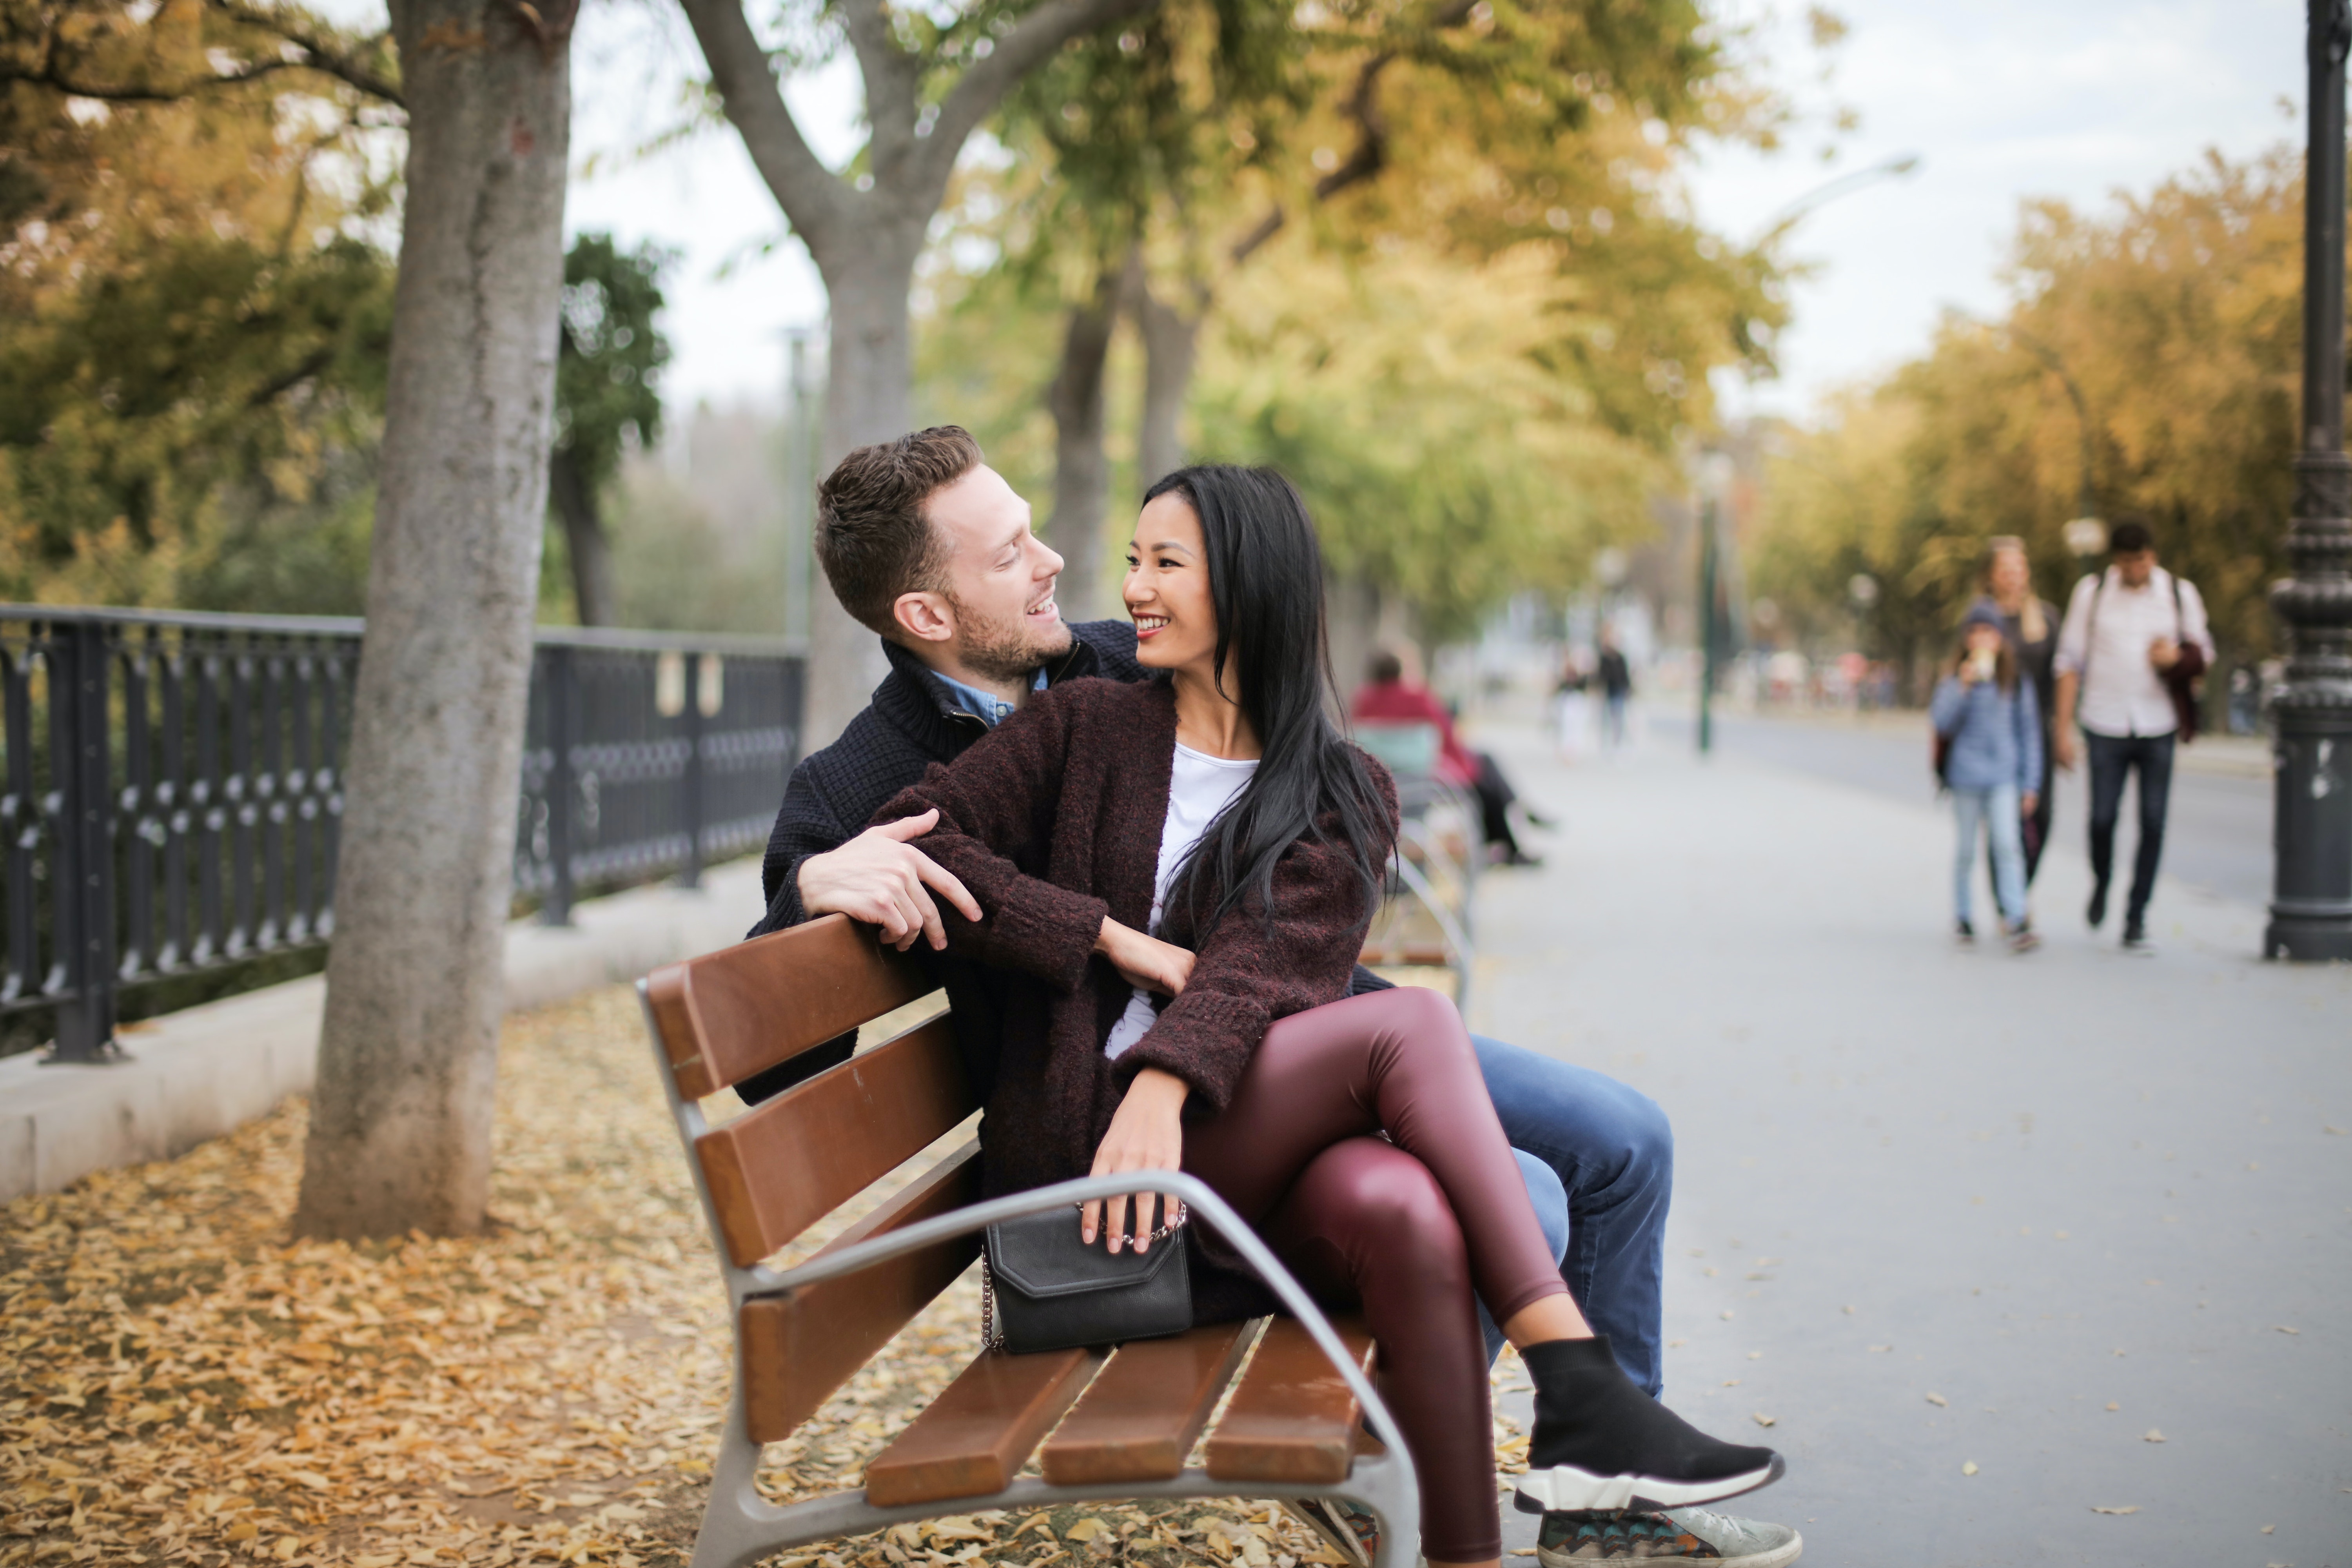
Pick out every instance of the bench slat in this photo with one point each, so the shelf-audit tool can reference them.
(1292, 1419)
(780, 1167)
(977, 1434)
(800, 1346)
(1138, 1418)
(729, 1015)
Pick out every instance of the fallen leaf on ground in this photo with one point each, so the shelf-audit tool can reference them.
(2112, 1406)
(1764, 1420)
(2151, 1435)
(2284, 1329)
(1968, 1469)
(2268, 1527)
(1086, 1530)
(1939, 1401)
(2126, 1508)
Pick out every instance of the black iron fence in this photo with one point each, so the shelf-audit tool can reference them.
(172, 787)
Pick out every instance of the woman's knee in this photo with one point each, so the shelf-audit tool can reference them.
(1385, 1209)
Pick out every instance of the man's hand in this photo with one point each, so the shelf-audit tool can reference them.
(1147, 1133)
(881, 878)
(2063, 747)
(2163, 653)
(1145, 962)
(2027, 802)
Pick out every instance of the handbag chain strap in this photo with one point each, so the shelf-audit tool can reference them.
(990, 1339)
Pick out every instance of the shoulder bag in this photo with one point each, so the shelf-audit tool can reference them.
(1046, 1290)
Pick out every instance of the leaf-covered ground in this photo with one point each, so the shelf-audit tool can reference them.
(182, 1383)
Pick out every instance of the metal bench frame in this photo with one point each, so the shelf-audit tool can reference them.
(740, 1526)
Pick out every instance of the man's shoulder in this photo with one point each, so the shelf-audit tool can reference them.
(1112, 643)
(870, 754)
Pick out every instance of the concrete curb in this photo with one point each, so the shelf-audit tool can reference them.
(197, 1074)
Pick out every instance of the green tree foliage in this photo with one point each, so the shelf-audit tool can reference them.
(2177, 319)
(193, 314)
(607, 395)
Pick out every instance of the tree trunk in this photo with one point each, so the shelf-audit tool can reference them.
(400, 1123)
(869, 397)
(1081, 467)
(1172, 342)
(583, 537)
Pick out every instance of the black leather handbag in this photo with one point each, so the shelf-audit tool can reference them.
(1046, 1289)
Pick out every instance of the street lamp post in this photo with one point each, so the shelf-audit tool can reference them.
(2311, 905)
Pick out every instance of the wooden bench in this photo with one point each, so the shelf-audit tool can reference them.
(1120, 1425)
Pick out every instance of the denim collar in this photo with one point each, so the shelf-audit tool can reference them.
(986, 706)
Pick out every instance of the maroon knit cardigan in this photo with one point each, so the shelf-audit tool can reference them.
(1052, 821)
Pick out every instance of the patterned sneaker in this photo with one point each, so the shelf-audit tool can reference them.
(1683, 1534)
(2021, 938)
(1964, 933)
(1346, 1529)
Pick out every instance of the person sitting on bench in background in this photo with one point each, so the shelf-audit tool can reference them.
(1399, 693)
(938, 550)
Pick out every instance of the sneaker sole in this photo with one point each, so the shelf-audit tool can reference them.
(1565, 1489)
(1777, 1557)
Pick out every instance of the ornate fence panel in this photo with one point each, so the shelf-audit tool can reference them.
(170, 786)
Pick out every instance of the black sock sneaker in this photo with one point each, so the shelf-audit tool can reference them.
(1601, 1442)
(2099, 910)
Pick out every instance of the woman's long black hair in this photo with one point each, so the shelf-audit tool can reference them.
(1265, 581)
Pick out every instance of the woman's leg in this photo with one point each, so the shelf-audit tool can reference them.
(1401, 1062)
(1366, 1224)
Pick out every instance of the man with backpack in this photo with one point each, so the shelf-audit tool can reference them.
(2130, 654)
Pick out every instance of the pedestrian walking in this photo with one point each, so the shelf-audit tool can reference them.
(2133, 647)
(1991, 734)
(2030, 624)
(1616, 679)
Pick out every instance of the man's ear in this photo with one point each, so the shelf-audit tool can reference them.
(924, 617)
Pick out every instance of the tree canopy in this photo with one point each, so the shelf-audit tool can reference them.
(2151, 358)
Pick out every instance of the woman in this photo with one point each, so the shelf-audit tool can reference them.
(1985, 716)
(1222, 810)
(2031, 624)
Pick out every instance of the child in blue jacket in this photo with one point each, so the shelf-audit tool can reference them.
(1991, 734)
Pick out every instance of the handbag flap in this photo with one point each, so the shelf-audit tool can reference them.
(1042, 1255)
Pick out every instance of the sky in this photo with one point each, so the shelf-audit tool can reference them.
(1999, 100)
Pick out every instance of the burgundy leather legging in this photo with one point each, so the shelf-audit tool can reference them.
(1408, 1227)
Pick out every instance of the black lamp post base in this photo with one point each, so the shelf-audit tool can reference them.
(2308, 939)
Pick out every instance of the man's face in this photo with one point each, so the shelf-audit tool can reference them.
(2134, 566)
(999, 598)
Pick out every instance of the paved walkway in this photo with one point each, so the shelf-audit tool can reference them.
(1939, 1209)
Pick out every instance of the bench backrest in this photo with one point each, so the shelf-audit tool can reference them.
(1407, 748)
(784, 1164)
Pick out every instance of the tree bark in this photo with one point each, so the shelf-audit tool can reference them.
(584, 541)
(400, 1123)
(1081, 467)
(1172, 342)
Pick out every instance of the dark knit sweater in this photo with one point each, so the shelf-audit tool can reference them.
(1052, 822)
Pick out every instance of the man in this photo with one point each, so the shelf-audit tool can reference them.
(930, 547)
(2134, 638)
(1398, 692)
(1616, 678)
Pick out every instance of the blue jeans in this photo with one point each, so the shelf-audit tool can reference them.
(1612, 1156)
(1997, 809)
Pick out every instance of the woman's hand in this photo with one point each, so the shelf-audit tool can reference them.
(1147, 1133)
(1145, 962)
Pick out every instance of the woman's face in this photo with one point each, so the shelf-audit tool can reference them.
(1167, 587)
(2012, 576)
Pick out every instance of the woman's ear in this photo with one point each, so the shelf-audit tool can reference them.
(925, 617)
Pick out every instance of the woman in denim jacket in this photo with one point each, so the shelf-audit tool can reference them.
(1989, 728)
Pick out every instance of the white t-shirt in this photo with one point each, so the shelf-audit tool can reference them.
(2123, 694)
(1201, 788)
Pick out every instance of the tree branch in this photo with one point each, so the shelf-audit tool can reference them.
(813, 199)
(891, 76)
(984, 83)
(50, 75)
(328, 59)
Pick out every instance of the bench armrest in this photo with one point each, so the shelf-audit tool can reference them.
(1195, 1193)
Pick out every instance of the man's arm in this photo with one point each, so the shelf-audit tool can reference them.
(2074, 651)
(816, 866)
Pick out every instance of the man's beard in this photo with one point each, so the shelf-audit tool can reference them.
(1004, 652)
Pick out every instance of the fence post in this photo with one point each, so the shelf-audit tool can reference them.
(85, 904)
(563, 786)
(689, 875)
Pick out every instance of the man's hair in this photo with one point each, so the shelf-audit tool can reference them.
(2130, 536)
(1387, 667)
(874, 536)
